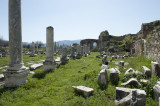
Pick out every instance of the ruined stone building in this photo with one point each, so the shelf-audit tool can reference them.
(145, 42)
(148, 41)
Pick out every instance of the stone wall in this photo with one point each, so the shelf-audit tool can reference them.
(149, 42)
(153, 46)
(139, 46)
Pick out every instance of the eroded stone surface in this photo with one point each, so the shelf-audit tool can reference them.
(49, 63)
(155, 69)
(130, 70)
(32, 72)
(138, 97)
(17, 73)
(146, 71)
(1, 77)
(114, 75)
(123, 96)
(156, 90)
(104, 66)
(35, 66)
(132, 97)
(103, 78)
(121, 63)
(131, 82)
(85, 90)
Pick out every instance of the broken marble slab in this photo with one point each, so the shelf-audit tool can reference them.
(121, 63)
(131, 82)
(58, 59)
(130, 70)
(156, 91)
(146, 71)
(155, 69)
(35, 66)
(58, 62)
(114, 75)
(113, 70)
(123, 96)
(104, 66)
(125, 64)
(2, 83)
(86, 91)
(103, 78)
(132, 97)
(138, 97)
(32, 72)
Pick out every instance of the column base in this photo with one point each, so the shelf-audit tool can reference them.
(15, 78)
(49, 65)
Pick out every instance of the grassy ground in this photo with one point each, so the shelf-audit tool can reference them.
(55, 88)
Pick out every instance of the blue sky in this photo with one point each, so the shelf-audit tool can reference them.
(80, 19)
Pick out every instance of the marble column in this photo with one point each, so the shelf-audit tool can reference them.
(17, 73)
(49, 63)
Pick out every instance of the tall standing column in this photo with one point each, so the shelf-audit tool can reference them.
(49, 63)
(17, 73)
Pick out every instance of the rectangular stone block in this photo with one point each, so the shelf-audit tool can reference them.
(85, 90)
(155, 69)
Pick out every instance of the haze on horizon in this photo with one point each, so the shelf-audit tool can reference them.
(80, 19)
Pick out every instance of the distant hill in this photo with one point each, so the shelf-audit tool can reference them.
(68, 42)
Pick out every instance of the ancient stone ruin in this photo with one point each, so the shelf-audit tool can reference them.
(17, 73)
(49, 63)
